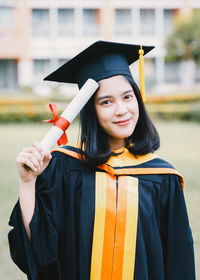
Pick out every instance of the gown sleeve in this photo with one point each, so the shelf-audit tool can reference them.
(39, 258)
(175, 231)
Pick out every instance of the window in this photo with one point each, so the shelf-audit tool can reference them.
(147, 22)
(62, 61)
(40, 22)
(123, 22)
(172, 72)
(66, 22)
(40, 68)
(6, 16)
(91, 22)
(8, 73)
(150, 69)
(197, 73)
(168, 21)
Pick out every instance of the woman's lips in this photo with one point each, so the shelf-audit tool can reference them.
(123, 122)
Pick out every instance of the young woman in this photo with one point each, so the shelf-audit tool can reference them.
(110, 208)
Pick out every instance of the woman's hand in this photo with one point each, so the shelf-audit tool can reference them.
(31, 162)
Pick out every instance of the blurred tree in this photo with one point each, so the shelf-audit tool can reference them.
(184, 43)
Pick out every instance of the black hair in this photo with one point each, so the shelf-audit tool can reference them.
(95, 149)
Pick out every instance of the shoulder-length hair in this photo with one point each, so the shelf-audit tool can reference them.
(95, 149)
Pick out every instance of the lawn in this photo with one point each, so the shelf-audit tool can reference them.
(179, 144)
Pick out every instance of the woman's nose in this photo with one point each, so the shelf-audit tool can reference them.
(120, 108)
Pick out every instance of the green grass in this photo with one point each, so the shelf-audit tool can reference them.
(179, 144)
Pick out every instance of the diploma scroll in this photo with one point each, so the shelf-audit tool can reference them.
(70, 113)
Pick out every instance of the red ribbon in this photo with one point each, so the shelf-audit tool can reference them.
(60, 122)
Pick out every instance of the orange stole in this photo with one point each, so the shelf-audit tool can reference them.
(115, 227)
(128, 170)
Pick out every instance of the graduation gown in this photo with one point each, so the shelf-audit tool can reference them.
(125, 219)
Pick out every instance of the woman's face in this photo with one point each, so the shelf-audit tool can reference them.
(117, 109)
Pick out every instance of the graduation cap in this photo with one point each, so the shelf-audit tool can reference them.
(101, 60)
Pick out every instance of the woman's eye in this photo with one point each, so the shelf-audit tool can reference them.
(106, 102)
(128, 96)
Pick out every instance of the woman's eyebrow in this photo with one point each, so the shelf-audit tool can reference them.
(127, 91)
(103, 97)
(111, 96)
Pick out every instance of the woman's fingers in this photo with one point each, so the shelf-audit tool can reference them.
(24, 162)
(33, 150)
(33, 156)
(47, 158)
(32, 159)
(38, 147)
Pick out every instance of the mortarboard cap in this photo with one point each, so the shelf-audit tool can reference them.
(100, 60)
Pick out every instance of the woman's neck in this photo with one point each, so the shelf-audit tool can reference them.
(116, 144)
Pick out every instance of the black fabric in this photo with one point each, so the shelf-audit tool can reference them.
(100, 60)
(62, 226)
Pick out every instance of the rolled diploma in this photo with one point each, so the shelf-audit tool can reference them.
(70, 113)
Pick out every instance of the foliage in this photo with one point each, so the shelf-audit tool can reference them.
(175, 111)
(21, 109)
(174, 98)
(184, 42)
(170, 107)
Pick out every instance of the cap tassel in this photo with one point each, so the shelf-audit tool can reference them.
(141, 73)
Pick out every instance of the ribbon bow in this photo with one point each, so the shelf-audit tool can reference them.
(60, 122)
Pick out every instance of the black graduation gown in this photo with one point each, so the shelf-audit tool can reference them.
(62, 227)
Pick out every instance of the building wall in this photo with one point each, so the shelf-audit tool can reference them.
(41, 34)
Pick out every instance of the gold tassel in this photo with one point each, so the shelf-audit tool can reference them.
(141, 73)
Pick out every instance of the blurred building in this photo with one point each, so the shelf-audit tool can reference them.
(36, 36)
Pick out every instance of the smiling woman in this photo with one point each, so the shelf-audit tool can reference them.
(117, 118)
(109, 208)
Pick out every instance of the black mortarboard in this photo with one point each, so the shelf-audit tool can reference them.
(100, 60)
